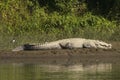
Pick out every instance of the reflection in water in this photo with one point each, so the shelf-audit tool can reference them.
(77, 68)
(99, 68)
(21, 71)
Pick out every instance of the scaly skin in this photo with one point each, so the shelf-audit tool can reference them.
(66, 44)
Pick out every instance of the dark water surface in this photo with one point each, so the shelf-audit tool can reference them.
(59, 71)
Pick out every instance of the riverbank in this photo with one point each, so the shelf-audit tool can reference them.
(63, 56)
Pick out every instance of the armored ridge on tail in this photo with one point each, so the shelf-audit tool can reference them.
(69, 43)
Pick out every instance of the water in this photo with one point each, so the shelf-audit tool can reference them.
(50, 71)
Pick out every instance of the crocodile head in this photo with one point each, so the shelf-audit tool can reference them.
(103, 45)
(97, 44)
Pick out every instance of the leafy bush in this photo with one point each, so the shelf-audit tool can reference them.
(30, 21)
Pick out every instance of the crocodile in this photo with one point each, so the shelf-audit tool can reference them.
(70, 43)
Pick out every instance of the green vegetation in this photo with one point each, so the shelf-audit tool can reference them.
(46, 20)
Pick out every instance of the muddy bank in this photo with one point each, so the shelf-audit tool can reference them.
(64, 56)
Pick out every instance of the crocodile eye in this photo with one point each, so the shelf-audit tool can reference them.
(109, 45)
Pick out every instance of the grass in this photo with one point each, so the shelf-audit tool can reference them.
(37, 37)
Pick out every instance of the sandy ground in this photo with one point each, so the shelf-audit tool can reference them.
(73, 56)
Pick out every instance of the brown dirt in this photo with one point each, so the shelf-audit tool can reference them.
(73, 56)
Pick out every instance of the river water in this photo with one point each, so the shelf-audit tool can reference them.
(50, 71)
